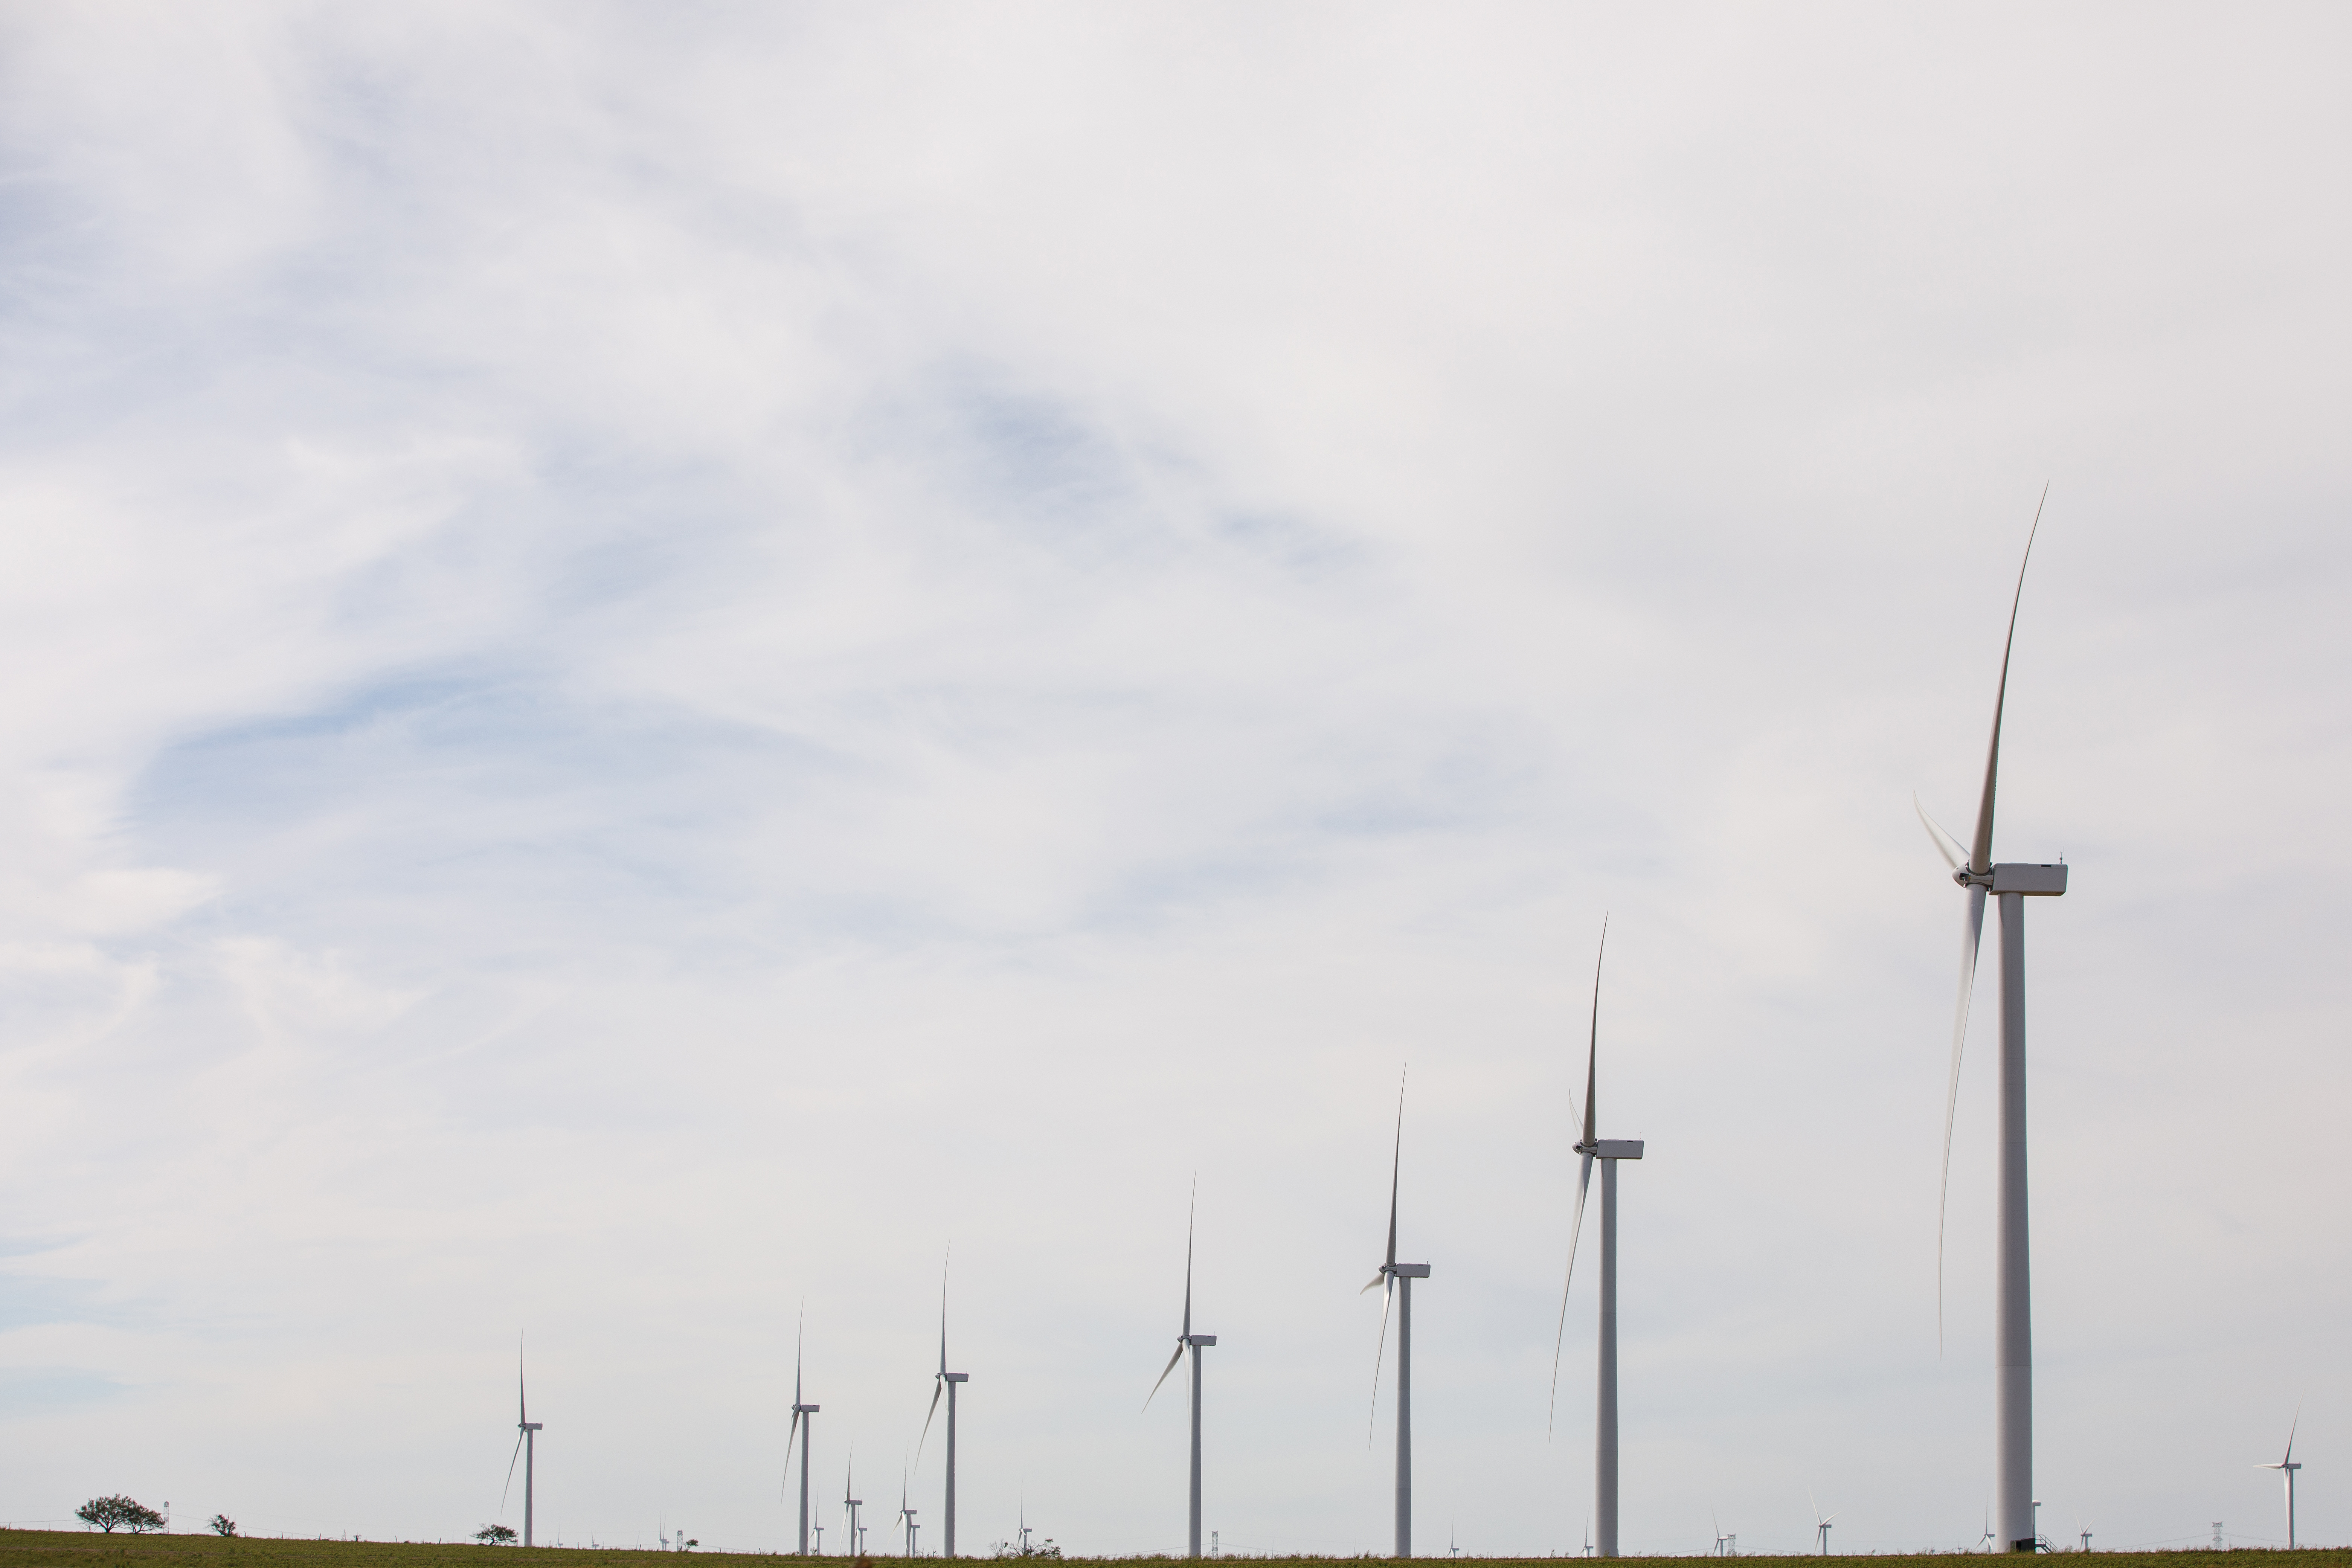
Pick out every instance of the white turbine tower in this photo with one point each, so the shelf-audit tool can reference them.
(2286, 1466)
(850, 1505)
(947, 1381)
(1186, 1340)
(526, 1447)
(802, 1412)
(1398, 1278)
(2012, 883)
(1608, 1151)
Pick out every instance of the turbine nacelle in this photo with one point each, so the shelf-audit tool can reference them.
(2043, 881)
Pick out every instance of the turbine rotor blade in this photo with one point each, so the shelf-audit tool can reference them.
(1980, 851)
(1396, 1168)
(1380, 1348)
(1592, 1051)
(511, 1468)
(789, 1437)
(1953, 853)
(1559, 1335)
(1377, 1280)
(1190, 1209)
(1971, 937)
(1164, 1374)
(937, 1385)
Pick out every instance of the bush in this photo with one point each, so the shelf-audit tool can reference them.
(223, 1524)
(495, 1535)
(120, 1512)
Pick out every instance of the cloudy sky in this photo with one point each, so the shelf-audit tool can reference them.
(662, 661)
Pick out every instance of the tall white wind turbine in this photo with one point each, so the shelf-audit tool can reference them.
(802, 1411)
(1608, 1151)
(1398, 1278)
(850, 1505)
(2012, 883)
(1186, 1340)
(944, 1381)
(2286, 1467)
(1822, 1523)
(526, 1445)
(906, 1517)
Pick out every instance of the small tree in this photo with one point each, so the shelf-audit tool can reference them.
(120, 1512)
(495, 1535)
(224, 1525)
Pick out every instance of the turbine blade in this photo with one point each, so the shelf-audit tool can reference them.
(1379, 1347)
(510, 1465)
(1971, 936)
(1559, 1335)
(1592, 1051)
(1980, 852)
(943, 1312)
(1377, 1280)
(2290, 1435)
(789, 1437)
(1950, 849)
(1190, 1209)
(1164, 1374)
(939, 1386)
(1396, 1167)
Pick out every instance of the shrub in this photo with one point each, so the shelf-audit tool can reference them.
(223, 1524)
(495, 1535)
(120, 1512)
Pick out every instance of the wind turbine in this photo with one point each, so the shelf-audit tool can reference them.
(906, 1517)
(948, 1380)
(1721, 1540)
(1987, 1539)
(802, 1411)
(850, 1505)
(526, 1445)
(1607, 1151)
(1398, 1278)
(2287, 1468)
(1821, 1527)
(1195, 1342)
(2012, 883)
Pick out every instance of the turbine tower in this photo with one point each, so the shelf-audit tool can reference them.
(526, 1447)
(2012, 883)
(948, 1380)
(2287, 1468)
(1398, 1278)
(1196, 1344)
(1608, 1151)
(802, 1412)
(850, 1505)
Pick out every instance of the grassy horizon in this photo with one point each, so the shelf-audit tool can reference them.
(94, 1548)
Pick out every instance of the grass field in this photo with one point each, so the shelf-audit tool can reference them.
(78, 1549)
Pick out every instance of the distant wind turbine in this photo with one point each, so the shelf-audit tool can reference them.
(1608, 1151)
(945, 1380)
(1398, 1278)
(850, 1505)
(1821, 1527)
(1186, 1340)
(906, 1517)
(526, 1445)
(2286, 1467)
(2012, 883)
(1721, 1540)
(802, 1411)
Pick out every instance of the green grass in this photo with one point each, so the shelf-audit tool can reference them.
(80, 1549)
